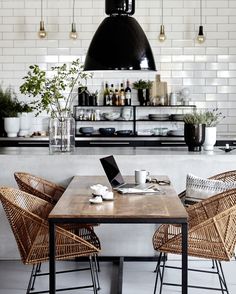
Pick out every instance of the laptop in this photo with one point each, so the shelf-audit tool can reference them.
(114, 175)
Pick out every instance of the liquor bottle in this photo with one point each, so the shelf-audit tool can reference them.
(122, 95)
(127, 93)
(106, 95)
(115, 98)
(111, 93)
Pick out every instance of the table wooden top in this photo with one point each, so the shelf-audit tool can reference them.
(74, 203)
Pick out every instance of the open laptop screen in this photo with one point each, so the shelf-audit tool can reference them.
(112, 171)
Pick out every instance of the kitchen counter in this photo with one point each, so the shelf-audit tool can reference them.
(125, 141)
(175, 162)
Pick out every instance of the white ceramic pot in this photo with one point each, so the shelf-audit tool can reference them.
(12, 126)
(210, 138)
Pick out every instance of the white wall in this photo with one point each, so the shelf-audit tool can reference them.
(209, 70)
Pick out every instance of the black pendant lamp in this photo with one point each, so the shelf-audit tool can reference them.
(119, 42)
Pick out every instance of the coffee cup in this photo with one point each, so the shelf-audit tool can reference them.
(141, 176)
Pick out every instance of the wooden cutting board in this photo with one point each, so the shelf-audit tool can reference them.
(160, 89)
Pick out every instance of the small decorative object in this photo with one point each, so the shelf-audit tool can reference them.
(185, 93)
(227, 148)
(194, 130)
(143, 88)
(212, 119)
(100, 193)
(54, 99)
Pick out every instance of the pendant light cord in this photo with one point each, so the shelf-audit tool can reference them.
(41, 10)
(162, 12)
(201, 12)
(73, 15)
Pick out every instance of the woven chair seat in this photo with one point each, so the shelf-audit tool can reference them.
(212, 229)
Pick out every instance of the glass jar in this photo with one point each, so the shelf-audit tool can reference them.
(62, 133)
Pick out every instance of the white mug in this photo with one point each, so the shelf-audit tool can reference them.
(141, 176)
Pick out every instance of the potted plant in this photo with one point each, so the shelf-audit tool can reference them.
(143, 87)
(194, 130)
(212, 119)
(55, 93)
(9, 109)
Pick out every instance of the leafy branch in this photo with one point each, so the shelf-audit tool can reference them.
(56, 89)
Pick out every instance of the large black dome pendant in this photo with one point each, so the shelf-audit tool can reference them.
(119, 43)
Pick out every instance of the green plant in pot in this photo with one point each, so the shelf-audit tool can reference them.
(54, 94)
(10, 107)
(212, 119)
(143, 87)
(194, 130)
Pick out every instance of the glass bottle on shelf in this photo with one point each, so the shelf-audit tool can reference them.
(106, 95)
(127, 93)
(122, 95)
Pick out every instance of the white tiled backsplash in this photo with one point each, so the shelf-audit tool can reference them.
(208, 70)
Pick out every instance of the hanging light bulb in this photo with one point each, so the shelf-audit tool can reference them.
(200, 37)
(42, 32)
(162, 35)
(73, 34)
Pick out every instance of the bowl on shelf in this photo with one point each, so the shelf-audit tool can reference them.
(107, 131)
(86, 130)
(160, 131)
(111, 115)
(124, 132)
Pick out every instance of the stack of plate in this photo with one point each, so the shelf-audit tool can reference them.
(178, 117)
(176, 133)
(159, 116)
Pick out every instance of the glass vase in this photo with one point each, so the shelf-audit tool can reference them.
(62, 133)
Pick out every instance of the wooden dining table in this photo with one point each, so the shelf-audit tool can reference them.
(161, 207)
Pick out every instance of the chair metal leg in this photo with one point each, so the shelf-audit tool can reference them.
(31, 279)
(37, 270)
(219, 276)
(157, 270)
(163, 271)
(223, 277)
(92, 275)
(98, 263)
(96, 272)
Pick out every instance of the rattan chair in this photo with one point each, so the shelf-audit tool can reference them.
(228, 177)
(52, 192)
(27, 216)
(211, 235)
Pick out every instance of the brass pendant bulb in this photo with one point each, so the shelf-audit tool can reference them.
(162, 35)
(73, 32)
(42, 32)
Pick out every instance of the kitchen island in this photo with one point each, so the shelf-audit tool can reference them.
(175, 162)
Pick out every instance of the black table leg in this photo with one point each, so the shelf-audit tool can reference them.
(184, 258)
(120, 275)
(52, 251)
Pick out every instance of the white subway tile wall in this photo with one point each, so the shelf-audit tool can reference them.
(208, 70)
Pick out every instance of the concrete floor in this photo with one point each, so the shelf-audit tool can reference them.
(138, 277)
